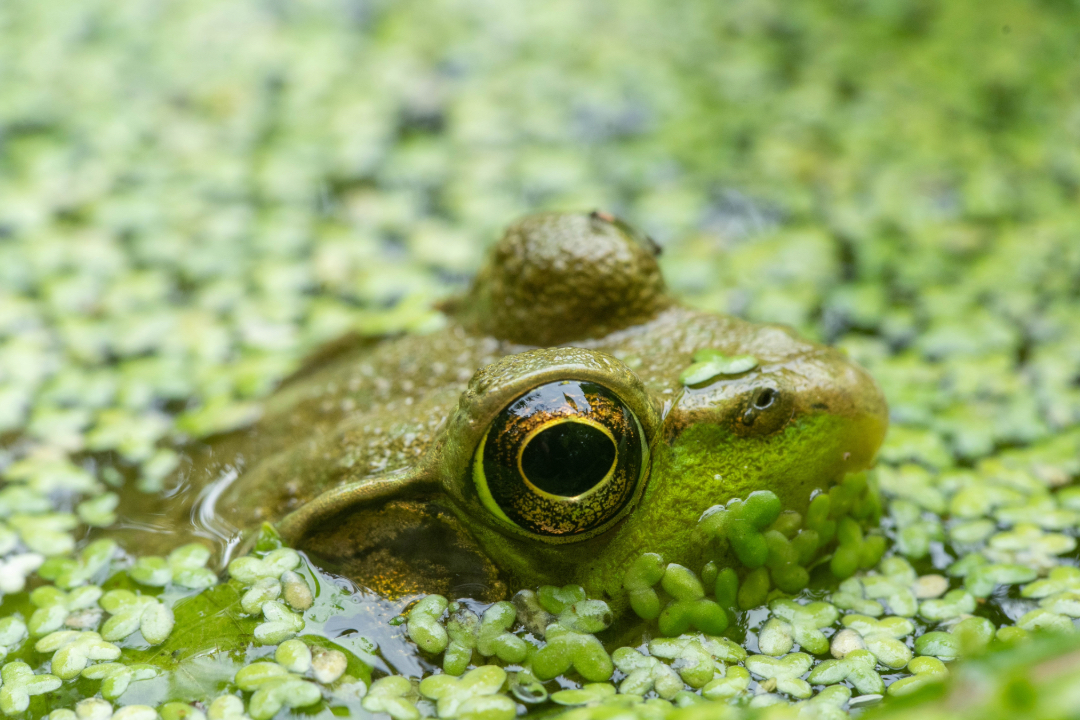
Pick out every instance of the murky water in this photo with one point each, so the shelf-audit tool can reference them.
(188, 510)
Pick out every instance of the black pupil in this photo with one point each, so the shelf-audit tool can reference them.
(568, 459)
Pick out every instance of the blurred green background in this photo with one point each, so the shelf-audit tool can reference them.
(194, 195)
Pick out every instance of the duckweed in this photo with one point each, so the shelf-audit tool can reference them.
(587, 694)
(73, 649)
(295, 591)
(130, 612)
(250, 569)
(281, 624)
(276, 693)
(643, 673)
(461, 627)
(327, 666)
(733, 682)
(185, 566)
(293, 655)
(566, 650)
(423, 625)
(968, 636)
(472, 695)
(180, 711)
(883, 637)
(116, 677)
(698, 658)
(782, 674)
(389, 695)
(711, 364)
(643, 574)
(264, 590)
(494, 636)
(19, 683)
(55, 606)
(856, 667)
(14, 569)
(12, 632)
(92, 561)
(925, 670)
(806, 622)
(160, 278)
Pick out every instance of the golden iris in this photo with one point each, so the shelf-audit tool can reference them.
(562, 459)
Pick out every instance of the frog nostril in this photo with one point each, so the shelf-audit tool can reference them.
(765, 399)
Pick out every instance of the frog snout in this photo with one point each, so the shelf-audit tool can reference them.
(840, 387)
(873, 411)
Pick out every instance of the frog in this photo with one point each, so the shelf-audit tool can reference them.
(548, 433)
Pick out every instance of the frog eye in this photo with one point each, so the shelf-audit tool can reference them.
(560, 460)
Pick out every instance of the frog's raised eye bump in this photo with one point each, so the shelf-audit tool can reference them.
(629, 230)
(560, 460)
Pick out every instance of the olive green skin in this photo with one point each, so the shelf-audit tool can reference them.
(373, 444)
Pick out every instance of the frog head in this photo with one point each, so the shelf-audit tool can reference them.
(617, 418)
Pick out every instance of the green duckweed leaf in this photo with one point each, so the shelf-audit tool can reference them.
(709, 365)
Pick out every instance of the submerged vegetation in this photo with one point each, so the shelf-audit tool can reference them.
(193, 196)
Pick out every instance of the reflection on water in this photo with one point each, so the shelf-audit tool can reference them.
(184, 510)
(187, 510)
(366, 618)
(208, 524)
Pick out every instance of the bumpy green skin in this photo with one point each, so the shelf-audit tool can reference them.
(559, 278)
(372, 436)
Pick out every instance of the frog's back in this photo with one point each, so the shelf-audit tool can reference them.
(374, 408)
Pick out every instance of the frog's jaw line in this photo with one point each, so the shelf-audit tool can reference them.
(374, 488)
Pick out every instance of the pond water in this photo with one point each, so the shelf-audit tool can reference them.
(196, 196)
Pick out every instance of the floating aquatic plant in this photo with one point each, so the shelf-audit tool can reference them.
(161, 269)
